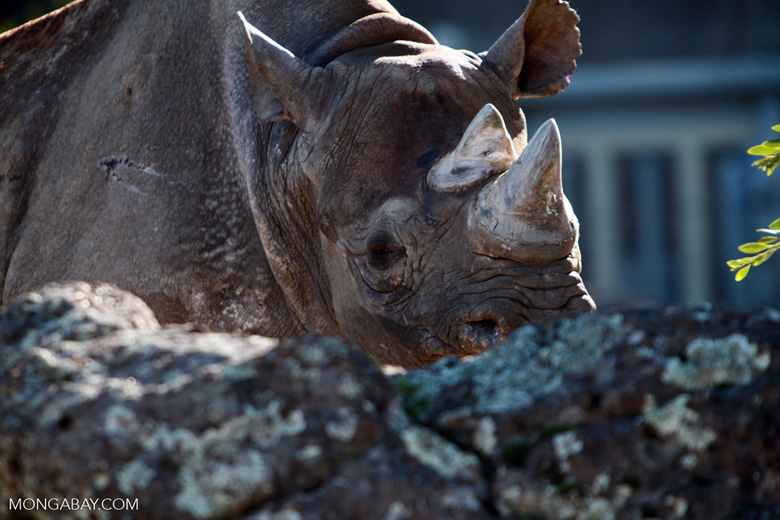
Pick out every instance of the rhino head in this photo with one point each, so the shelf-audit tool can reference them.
(439, 226)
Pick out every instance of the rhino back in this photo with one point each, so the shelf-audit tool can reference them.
(36, 62)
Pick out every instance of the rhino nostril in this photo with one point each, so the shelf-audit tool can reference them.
(479, 335)
(488, 326)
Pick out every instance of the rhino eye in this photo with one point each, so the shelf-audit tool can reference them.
(382, 253)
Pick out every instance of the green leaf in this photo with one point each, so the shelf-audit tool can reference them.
(765, 246)
(768, 163)
(761, 163)
(767, 160)
(763, 257)
(735, 264)
(752, 247)
(760, 150)
(771, 168)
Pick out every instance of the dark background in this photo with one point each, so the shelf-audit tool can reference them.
(17, 12)
(617, 30)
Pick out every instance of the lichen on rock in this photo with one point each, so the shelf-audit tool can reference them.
(712, 362)
(677, 419)
(530, 363)
(565, 445)
(441, 456)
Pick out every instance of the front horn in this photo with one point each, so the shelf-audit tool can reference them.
(523, 214)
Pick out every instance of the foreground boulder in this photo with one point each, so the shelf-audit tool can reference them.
(667, 413)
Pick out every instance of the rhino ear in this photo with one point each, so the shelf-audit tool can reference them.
(535, 56)
(285, 87)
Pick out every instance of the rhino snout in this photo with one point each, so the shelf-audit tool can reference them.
(495, 319)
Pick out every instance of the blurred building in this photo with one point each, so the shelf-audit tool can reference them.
(667, 97)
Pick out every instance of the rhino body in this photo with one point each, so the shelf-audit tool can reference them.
(338, 172)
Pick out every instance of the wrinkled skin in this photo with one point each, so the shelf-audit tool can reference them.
(338, 208)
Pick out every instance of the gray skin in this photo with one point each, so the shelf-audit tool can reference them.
(279, 188)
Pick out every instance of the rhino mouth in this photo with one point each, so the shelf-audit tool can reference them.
(505, 307)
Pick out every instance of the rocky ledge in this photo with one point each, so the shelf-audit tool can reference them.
(644, 413)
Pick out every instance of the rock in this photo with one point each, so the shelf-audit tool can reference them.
(415, 475)
(76, 311)
(668, 413)
(643, 413)
(98, 401)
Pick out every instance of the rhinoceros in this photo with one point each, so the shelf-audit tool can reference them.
(336, 170)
